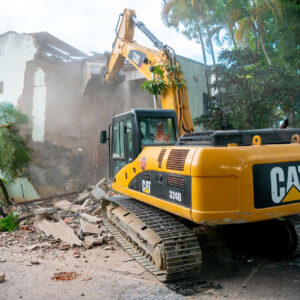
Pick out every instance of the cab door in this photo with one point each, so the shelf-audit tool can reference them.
(118, 146)
(122, 143)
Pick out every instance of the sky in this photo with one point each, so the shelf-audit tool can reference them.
(89, 25)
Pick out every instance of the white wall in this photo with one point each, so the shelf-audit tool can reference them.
(15, 51)
(39, 106)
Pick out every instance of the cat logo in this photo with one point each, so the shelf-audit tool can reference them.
(146, 186)
(285, 186)
(136, 58)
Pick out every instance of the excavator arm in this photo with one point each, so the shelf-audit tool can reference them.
(144, 59)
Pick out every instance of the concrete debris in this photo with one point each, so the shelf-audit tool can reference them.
(64, 225)
(88, 228)
(59, 230)
(67, 206)
(85, 205)
(91, 241)
(45, 211)
(98, 193)
(80, 234)
(91, 219)
(83, 196)
(2, 277)
(97, 211)
(102, 184)
(33, 247)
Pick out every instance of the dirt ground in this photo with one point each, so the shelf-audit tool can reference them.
(234, 267)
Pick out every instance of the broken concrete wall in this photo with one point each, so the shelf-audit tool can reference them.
(65, 122)
(70, 149)
(62, 144)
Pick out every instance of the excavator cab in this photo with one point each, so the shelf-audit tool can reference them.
(130, 132)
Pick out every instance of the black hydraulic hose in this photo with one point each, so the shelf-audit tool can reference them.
(157, 43)
(141, 26)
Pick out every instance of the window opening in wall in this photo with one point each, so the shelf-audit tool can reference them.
(205, 103)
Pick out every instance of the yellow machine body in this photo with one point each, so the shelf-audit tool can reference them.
(211, 178)
(204, 184)
(222, 183)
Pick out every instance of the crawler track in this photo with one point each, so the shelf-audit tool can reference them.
(183, 255)
(295, 221)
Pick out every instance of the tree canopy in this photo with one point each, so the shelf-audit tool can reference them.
(257, 76)
(250, 95)
(269, 27)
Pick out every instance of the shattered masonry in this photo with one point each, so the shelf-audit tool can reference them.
(59, 88)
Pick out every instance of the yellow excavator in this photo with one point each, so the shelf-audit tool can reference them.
(170, 176)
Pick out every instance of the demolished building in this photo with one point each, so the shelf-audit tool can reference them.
(62, 90)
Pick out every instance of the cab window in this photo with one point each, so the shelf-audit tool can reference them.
(157, 131)
(129, 139)
(118, 137)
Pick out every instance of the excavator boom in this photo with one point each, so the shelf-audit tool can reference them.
(144, 59)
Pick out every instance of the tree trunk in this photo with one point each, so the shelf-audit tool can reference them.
(4, 191)
(246, 39)
(232, 36)
(210, 42)
(262, 43)
(204, 57)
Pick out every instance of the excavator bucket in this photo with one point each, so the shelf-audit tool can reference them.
(125, 31)
(94, 77)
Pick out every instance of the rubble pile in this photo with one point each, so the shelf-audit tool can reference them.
(71, 222)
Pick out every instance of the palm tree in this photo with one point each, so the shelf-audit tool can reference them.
(14, 152)
(180, 12)
(220, 21)
(250, 15)
(204, 8)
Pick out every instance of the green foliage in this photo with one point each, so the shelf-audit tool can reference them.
(250, 94)
(14, 152)
(154, 86)
(270, 28)
(157, 85)
(285, 38)
(175, 76)
(9, 223)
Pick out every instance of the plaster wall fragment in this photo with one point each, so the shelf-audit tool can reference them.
(39, 106)
(15, 51)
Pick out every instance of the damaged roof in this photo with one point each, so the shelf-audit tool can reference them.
(52, 46)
